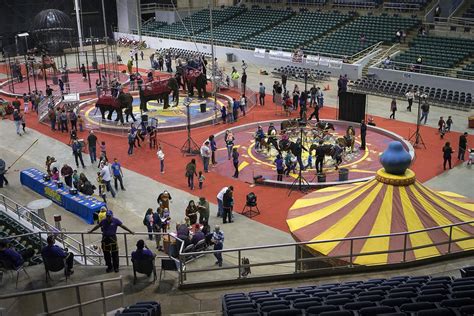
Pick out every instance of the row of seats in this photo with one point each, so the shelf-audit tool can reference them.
(153, 25)
(444, 97)
(406, 5)
(402, 295)
(307, 2)
(444, 52)
(297, 31)
(146, 308)
(9, 229)
(469, 14)
(181, 53)
(347, 39)
(467, 72)
(360, 4)
(297, 73)
(245, 25)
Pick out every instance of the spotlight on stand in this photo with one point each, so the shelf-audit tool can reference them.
(251, 209)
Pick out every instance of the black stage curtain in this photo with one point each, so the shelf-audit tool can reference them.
(352, 106)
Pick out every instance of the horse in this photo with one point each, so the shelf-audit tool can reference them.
(325, 125)
(327, 148)
(346, 142)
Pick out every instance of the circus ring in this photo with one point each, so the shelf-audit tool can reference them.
(171, 119)
(362, 165)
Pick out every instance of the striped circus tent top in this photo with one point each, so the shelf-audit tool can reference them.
(389, 204)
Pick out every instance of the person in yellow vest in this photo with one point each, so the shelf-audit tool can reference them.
(235, 78)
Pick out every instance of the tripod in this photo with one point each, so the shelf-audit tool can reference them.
(189, 147)
(300, 183)
(416, 137)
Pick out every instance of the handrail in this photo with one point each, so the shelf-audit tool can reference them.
(80, 304)
(25, 214)
(426, 69)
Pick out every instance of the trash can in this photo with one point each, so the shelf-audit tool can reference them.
(321, 177)
(145, 118)
(343, 174)
(203, 107)
(230, 57)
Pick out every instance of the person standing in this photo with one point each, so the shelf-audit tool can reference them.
(63, 119)
(213, 145)
(449, 123)
(83, 72)
(235, 161)
(206, 155)
(149, 222)
(363, 134)
(229, 143)
(191, 172)
(447, 151)
(279, 167)
(161, 157)
(92, 144)
(234, 75)
(17, 120)
(220, 200)
(243, 81)
(3, 170)
(203, 209)
(228, 205)
(118, 174)
(218, 240)
(320, 155)
(106, 176)
(109, 240)
(261, 94)
(66, 172)
(410, 96)
(284, 79)
(191, 212)
(296, 97)
(77, 151)
(131, 142)
(26, 99)
(393, 108)
(462, 146)
(73, 120)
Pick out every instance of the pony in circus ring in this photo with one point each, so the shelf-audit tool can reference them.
(348, 140)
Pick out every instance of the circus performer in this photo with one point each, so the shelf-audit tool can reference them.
(164, 200)
(259, 138)
(272, 137)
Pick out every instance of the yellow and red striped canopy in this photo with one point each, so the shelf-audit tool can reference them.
(378, 208)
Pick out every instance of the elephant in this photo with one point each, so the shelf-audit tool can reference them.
(108, 103)
(159, 90)
(196, 78)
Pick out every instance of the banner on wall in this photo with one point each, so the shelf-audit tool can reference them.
(324, 61)
(259, 53)
(335, 63)
(310, 59)
(280, 55)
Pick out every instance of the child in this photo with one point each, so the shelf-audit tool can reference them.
(471, 156)
(25, 102)
(201, 179)
(310, 162)
(161, 157)
(80, 121)
(441, 127)
(449, 122)
(23, 123)
(103, 151)
(55, 174)
(102, 187)
(75, 178)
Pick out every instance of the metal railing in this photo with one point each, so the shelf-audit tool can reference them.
(292, 261)
(80, 303)
(42, 229)
(427, 70)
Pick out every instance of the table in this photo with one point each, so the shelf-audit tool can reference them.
(39, 206)
(82, 205)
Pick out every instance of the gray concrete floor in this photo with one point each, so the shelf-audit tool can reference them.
(142, 193)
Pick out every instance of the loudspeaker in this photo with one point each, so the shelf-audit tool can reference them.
(203, 107)
(352, 106)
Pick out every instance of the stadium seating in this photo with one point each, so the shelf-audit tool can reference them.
(346, 40)
(197, 22)
(245, 25)
(467, 72)
(444, 52)
(297, 73)
(360, 4)
(182, 53)
(152, 25)
(307, 2)
(469, 14)
(10, 228)
(296, 31)
(448, 98)
(405, 5)
(400, 295)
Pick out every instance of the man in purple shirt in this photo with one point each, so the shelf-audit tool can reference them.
(53, 251)
(142, 252)
(198, 235)
(13, 257)
(109, 240)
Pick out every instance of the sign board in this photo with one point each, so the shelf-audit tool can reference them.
(280, 55)
(259, 52)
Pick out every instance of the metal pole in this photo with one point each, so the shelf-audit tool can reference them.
(351, 252)
(139, 20)
(27, 75)
(88, 73)
(214, 70)
(450, 238)
(103, 17)
(78, 20)
(34, 76)
(405, 240)
(44, 73)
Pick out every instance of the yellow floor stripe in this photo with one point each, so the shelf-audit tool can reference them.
(441, 220)
(346, 224)
(414, 223)
(243, 165)
(452, 194)
(321, 199)
(382, 226)
(307, 219)
(463, 217)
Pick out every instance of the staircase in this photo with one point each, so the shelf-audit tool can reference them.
(382, 54)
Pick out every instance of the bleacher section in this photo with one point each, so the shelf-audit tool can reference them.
(406, 5)
(441, 52)
(296, 31)
(245, 25)
(9, 229)
(401, 295)
(447, 98)
(197, 22)
(297, 73)
(360, 4)
(469, 14)
(467, 72)
(152, 25)
(346, 40)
